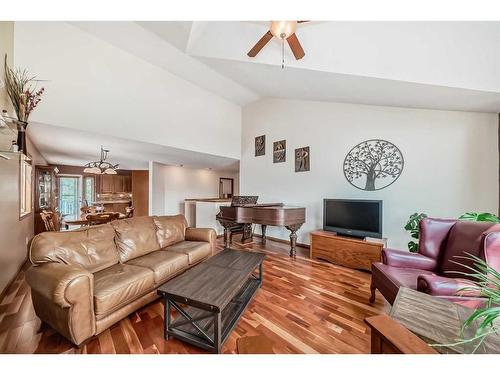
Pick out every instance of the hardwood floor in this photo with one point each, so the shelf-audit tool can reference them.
(304, 306)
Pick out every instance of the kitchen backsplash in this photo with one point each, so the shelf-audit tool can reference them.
(114, 196)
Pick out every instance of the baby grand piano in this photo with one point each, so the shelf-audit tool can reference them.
(245, 211)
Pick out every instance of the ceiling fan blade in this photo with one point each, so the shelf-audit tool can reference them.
(295, 46)
(260, 44)
(303, 21)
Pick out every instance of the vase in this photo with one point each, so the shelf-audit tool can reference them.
(21, 137)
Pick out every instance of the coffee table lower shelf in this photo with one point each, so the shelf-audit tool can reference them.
(208, 329)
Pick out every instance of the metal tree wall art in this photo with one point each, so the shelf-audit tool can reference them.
(373, 165)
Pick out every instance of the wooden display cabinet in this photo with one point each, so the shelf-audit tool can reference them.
(45, 194)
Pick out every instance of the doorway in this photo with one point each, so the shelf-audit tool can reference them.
(69, 196)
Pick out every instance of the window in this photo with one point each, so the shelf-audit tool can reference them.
(25, 188)
(88, 190)
(68, 196)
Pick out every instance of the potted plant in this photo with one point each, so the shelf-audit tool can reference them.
(24, 95)
(413, 227)
(486, 283)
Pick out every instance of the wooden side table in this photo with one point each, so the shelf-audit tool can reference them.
(439, 321)
(391, 337)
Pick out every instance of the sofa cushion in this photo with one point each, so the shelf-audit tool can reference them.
(164, 264)
(465, 237)
(170, 229)
(195, 250)
(388, 279)
(118, 285)
(92, 248)
(135, 237)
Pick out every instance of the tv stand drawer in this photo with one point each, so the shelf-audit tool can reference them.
(344, 251)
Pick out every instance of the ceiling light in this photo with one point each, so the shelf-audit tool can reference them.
(101, 166)
(283, 29)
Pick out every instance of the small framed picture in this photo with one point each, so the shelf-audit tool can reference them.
(260, 145)
(302, 159)
(279, 151)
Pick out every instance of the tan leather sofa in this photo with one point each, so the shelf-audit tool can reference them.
(84, 281)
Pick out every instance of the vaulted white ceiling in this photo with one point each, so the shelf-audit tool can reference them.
(439, 65)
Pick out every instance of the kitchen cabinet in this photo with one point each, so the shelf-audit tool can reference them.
(115, 183)
(107, 184)
(127, 184)
(140, 193)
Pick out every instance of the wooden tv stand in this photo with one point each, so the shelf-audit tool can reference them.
(344, 251)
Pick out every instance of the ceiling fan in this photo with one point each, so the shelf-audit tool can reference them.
(283, 30)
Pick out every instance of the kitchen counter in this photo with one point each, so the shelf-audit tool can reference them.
(200, 213)
(215, 200)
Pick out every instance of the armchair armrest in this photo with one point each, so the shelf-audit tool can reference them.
(445, 286)
(63, 296)
(405, 259)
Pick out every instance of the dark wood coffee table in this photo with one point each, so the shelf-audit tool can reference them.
(214, 294)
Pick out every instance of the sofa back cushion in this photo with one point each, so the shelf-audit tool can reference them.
(170, 229)
(92, 248)
(465, 237)
(135, 237)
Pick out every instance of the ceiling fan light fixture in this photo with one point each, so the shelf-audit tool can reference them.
(283, 29)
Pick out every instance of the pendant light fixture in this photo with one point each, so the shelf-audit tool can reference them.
(101, 166)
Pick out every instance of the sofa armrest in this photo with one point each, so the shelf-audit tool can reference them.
(445, 286)
(405, 259)
(63, 296)
(201, 234)
(60, 283)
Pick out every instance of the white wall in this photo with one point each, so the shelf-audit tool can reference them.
(14, 232)
(95, 86)
(170, 185)
(451, 159)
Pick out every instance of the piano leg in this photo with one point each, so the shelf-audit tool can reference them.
(263, 229)
(227, 236)
(293, 238)
(247, 233)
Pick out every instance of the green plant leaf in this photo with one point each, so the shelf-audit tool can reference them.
(484, 216)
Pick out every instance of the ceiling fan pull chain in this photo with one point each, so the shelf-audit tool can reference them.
(282, 53)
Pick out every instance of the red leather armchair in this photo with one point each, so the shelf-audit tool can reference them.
(432, 270)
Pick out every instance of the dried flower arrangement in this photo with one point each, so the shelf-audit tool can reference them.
(22, 91)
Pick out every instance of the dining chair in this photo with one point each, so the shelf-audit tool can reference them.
(51, 221)
(101, 218)
(129, 212)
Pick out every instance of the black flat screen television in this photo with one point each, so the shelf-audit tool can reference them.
(353, 217)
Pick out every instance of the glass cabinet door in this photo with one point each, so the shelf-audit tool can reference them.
(44, 190)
